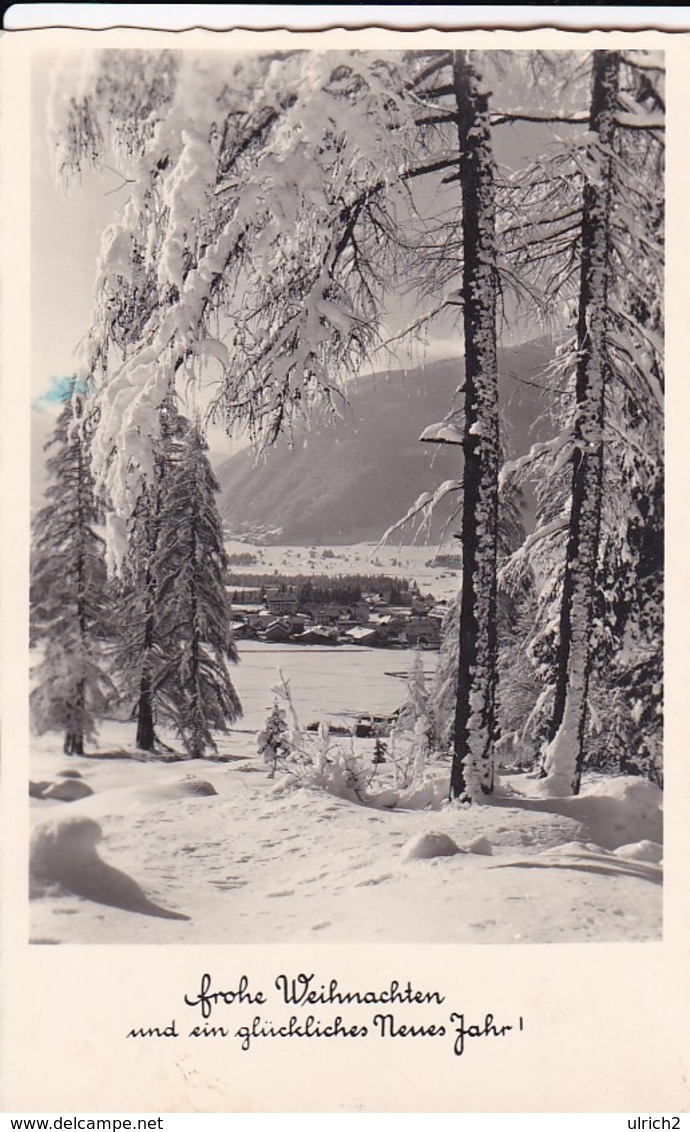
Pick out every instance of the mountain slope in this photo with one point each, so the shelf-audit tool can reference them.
(349, 478)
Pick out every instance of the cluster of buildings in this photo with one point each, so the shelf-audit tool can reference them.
(275, 614)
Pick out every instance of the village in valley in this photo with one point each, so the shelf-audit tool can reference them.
(386, 617)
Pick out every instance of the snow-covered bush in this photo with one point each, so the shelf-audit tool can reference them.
(412, 733)
(331, 766)
(313, 760)
(408, 752)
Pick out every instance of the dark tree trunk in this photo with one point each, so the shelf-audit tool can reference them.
(565, 753)
(196, 739)
(146, 736)
(74, 743)
(475, 729)
(75, 738)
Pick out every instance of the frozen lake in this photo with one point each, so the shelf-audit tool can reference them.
(334, 683)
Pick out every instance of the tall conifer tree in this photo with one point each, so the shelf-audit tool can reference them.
(69, 591)
(197, 695)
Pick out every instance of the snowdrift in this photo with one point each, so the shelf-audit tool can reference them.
(63, 851)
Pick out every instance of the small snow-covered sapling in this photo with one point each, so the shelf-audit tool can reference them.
(272, 743)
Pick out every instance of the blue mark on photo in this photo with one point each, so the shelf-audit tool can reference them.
(60, 390)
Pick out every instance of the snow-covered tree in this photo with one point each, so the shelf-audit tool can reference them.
(254, 243)
(564, 756)
(416, 703)
(630, 663)
(143, 653)
(70, 615)
(175, 639)
(283, 225)
(272, 741)
(443, 693)
(600, 474)
(412, 732)
(196, 694)
(475, 728)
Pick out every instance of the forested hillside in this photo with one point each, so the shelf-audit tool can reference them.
(347, 479)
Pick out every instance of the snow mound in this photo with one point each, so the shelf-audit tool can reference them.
(640, 793)
(642, 851)
(64, 852)
(427, 795)
(69, 773)
(68, 790)
(620, 811)
(611, 812)
(383, 800)
(481, 846)
(430, 844)
(190, 787)
(38, 789)
(280, 787)
(60, 843)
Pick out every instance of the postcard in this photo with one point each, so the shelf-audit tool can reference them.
(335, 543)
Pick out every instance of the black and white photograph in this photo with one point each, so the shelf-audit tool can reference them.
(347, 495)
(344, 569)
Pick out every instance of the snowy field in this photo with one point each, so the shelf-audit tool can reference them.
(393, 560)
(216, 852)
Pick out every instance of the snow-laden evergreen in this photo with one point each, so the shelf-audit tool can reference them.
(475, 727)
(174, 640)
(70, 616)
(144, 655)
(271, 742)
(197, 695)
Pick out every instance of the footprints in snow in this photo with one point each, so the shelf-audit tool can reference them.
(367, 881)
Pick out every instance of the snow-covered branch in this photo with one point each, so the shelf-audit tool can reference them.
(424, 506)
(640, 121)
(560, 448)
(500, 117)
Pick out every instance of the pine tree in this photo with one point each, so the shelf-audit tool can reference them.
(140, 652)
(272, 742)
(196, 694)
(380, 751)
(313, 261)
(69, 590)
(143, 653)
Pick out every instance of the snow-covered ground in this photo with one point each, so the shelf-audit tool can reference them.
(393, 560)
(153, 855)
